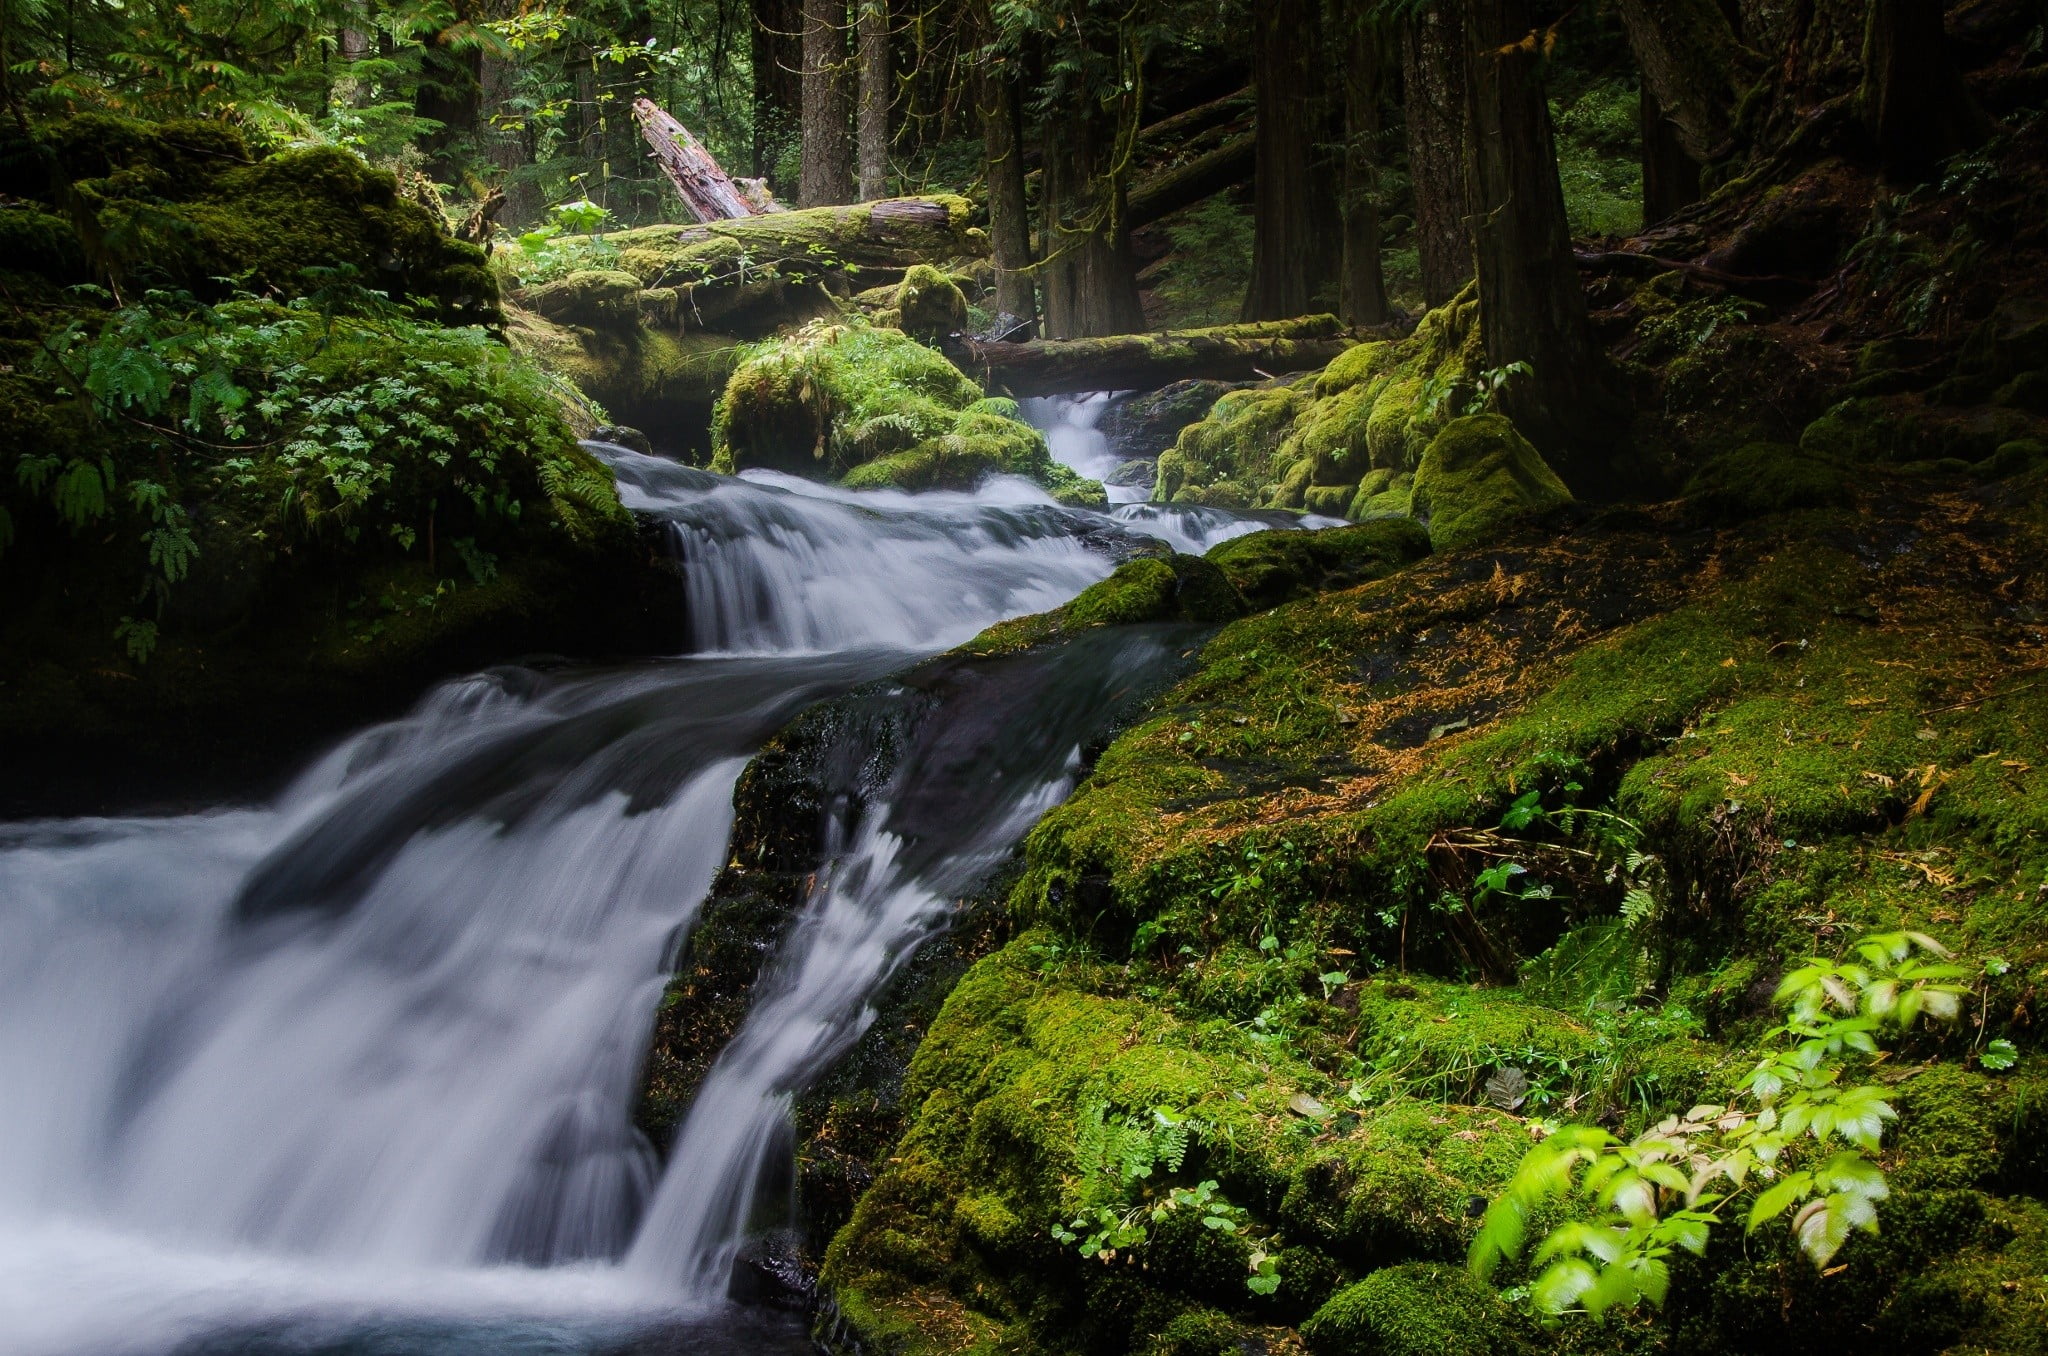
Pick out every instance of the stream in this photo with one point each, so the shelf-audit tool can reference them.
(352, 1070)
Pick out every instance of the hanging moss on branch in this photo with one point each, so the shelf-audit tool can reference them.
(872, 407)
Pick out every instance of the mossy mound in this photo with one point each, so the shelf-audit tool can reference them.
(873, 407)
(1266, 910)
(1415, 1310)
(1479, 479)
(1271, 568)
(188, 205)
(1316, 441)
(1763, 478)
(1170, 588)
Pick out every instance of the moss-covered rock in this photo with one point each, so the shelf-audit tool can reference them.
(1172, 588)
(928, 304)
(1270, 568)
(1479, 479)
(875, 408)
(1415, 1310)
(1312, 442)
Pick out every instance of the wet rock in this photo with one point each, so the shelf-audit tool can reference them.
(1144, 425)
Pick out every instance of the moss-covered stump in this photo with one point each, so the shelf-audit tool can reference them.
(1266, 917)
(1479, 479)
(874, 408)
(1311, 442)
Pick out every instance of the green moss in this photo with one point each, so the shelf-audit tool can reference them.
(1149, 589)
(875, 408)
(1382, 494)
(1270, 568)
(589, 297)
(1762, 478)
(928, 304)
(1479, 479)
(1415, 1310)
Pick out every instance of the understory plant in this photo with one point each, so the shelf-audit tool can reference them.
(1118, 1201)
(1798, 1135)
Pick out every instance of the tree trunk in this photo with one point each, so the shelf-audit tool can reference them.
(451, 93)
(827, 176)
(778, 84)
(1206, 175)
(1692, 65)
(1292, 212)
(875, 92)
(1009, 222)
(1531, 307)
(697, 178)
(507, 148)
(1433, 75)
(1362, 289)
(1149, 361)
(1671, 178)
(1086, 280)
(1912, 100)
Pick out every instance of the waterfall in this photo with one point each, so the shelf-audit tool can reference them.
(366, 1053)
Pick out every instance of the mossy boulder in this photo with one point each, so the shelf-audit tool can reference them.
(1479, 479)
(1421, 1309)
(1270, 568)
(1382, 494)
(1312, 442)
(928, 304)
(875, 408)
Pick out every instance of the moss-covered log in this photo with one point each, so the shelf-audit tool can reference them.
(1146, 361)
(817, 243)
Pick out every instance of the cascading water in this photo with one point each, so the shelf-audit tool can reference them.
(353, 1070)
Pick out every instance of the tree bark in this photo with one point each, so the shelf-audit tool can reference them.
(777, 36)
(1292, 213)
(1433, 76)
(1532, 309)
(1009, 222)
(1671, 177)
(1362, 288)
(1148, 361)
(697, 178)
(1693, 66)
(875, 92)
(827, 176)
(1087, 283)
(1917, 109)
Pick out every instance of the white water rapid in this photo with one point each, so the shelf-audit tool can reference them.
(353, 1070)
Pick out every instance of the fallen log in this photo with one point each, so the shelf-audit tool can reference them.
(704, 187)
(1143, 362)
(1167, 192)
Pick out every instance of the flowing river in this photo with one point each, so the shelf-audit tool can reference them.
(352, 1071)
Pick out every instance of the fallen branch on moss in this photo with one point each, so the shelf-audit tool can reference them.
(1147, 361)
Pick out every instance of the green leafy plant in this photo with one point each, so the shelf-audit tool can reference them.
(1797, 1136)
(1118, 1156)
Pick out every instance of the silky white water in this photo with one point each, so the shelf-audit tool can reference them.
(366, 1054)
